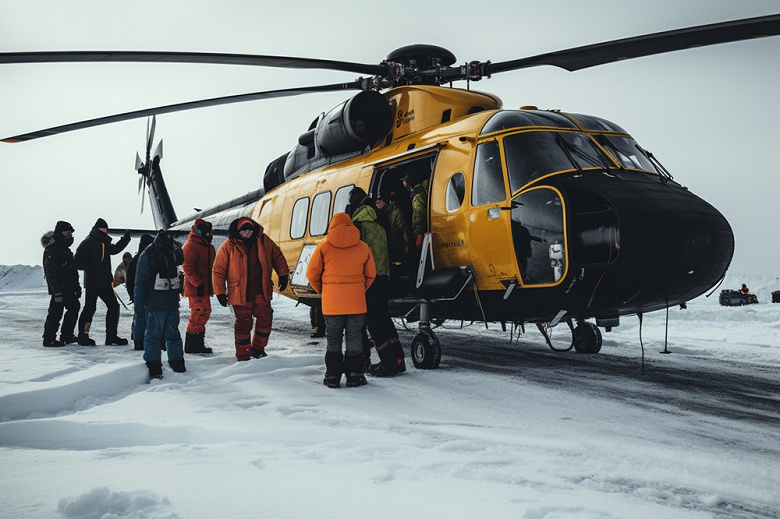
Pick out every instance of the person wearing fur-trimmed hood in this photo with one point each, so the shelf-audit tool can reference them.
(62, 280)
(242, 277)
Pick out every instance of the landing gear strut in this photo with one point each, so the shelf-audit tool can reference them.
(426, 350)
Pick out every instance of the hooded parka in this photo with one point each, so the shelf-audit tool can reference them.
(342, 268)
(229, 274)
(199, 257)
(373, 233)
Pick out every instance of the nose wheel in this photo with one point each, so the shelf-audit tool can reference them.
(426, 350)
(586, 338)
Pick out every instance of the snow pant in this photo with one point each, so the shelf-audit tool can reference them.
(261, 310)
(70, 305)
(106, 294)
(351, 328)
(379, 323)
(162, 325)
(200, 311)
(348, 326)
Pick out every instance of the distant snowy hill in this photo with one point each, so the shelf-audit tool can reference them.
(21, 277)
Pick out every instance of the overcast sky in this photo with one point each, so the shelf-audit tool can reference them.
(710, 115)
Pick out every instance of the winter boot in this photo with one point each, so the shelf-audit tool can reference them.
(243, 350)
(258, 353)
(177, 365)
(84, 340)
(139, 345)
(353, 368)
(68, 339)
(389, 362)
(116, 341)
(193, 343)
(53, 343)
(155, 369)
(334, 366)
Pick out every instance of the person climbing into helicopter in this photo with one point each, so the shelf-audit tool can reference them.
(399, 228)
(366, 218)
(342, 269)
(244, 263)
(419, 191)
(199, 256)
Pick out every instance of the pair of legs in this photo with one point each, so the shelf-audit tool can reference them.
(200, 311)
(70, 305)
(163, 326)
(256, 314)
(106, 294)
(338, 328)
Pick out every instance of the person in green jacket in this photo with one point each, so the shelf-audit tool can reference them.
(419, 192)
(399, 227)
(366, 217)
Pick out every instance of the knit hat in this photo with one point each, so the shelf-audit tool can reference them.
(63, 226)
(101, 224)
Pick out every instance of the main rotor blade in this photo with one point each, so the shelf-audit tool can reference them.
(150, 127)
(191, 57)
(647, 45)
(216, 101)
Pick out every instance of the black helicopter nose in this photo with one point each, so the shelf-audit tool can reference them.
(669, 245)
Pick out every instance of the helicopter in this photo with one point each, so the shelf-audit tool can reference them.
(534, 216)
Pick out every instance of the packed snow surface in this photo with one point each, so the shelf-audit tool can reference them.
(501, 429)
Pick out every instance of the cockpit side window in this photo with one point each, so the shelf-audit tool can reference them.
(488, 185)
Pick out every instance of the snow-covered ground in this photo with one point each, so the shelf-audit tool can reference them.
(500, 430)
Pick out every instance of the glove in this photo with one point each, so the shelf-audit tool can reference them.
(126, 235)
(58, 298)
(201, 290)
(222, 298)
(418, 240)
(283, 282)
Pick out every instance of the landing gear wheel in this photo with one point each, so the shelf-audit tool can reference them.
(586, 338)
(426, 351)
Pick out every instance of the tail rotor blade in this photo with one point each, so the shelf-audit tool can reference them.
(138, 162)
(140, 184)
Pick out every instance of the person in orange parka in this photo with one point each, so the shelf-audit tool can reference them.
(198, 261)
(342, 268)
(243, 263)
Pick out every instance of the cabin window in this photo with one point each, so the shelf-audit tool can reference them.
(299, 216)
(537, 233)
(320, 207)
(456, 191)
(488, 185)
(341, 200)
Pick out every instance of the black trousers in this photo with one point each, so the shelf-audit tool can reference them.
(378, 321)
(106, 294)
(70, 306)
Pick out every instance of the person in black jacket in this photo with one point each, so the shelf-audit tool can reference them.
(146, 240)
(93, 256)
(62, 279)
(156, 289)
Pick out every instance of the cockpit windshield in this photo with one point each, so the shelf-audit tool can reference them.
(531, 155)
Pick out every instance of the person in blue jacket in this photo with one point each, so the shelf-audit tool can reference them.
(156, 295)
